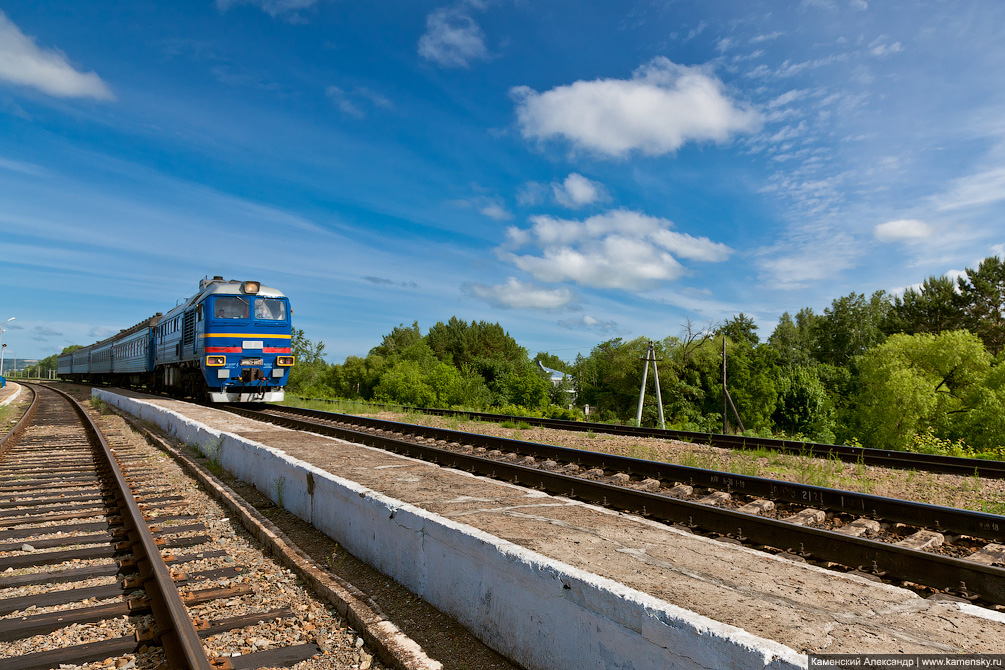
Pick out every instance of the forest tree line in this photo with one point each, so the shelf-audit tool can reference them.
(920, 371)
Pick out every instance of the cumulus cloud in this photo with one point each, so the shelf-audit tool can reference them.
(515, 294)
(578, 191)
(287, 8)
(23, 63)
(902, 229)
(655, 112)
(998, 250)
(452, 38)
(620, 249)
(956, 274)
(587, 322)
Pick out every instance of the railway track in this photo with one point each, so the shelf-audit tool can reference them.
(109, 557)
(881, 457)
(942, 552)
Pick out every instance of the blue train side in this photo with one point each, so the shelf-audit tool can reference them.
(231, 342)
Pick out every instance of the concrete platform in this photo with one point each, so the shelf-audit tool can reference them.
(554, 583)
(9, 393)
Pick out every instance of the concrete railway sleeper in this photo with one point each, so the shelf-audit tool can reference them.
(102, 557)
(969, 564)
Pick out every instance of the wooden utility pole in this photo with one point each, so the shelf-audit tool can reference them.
(725, 393)
(727, 400)
(650, 356)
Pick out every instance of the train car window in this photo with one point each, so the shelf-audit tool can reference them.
(269, 309)
(230, 308)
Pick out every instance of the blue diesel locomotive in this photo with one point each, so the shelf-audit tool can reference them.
(230, 342)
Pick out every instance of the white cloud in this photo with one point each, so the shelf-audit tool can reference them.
(660, 108)
(812, 255)
(757, 39)
(531, 193)
(271, 7)
(342, 101)
(494, 210)
(790, 69)
(350, 102)
(515, 294)
(23, 63)
(880, 47)
(19, 166)
(620, 249)
(998, 250)
(587, 322)
(577, 191)
(452, 38)
(978, 189)
(902, 229)
(956, 274)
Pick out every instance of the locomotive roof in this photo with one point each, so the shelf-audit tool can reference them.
(221, 287)
(233, 287)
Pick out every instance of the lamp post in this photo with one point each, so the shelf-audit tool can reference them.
(4, 345)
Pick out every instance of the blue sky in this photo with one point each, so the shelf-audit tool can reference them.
(574, 174)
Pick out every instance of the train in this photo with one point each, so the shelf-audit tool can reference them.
(230, 342)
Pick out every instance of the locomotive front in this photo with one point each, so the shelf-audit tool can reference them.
(246, 343)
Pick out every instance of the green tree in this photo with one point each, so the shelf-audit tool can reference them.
(793, 340)
(804, 406)
(934, 308)
(849, 327)
(740, 329)
(982, 293)
(912, 382)
(398, 340)
(309, 372)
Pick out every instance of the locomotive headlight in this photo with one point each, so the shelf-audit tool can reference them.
(216, 360)
(251, 287)
(285, 361)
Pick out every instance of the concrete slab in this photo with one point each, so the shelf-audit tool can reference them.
(556, 583)
(9, 393)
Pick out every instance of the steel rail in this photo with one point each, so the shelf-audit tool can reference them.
(922, 515)
(10, 437)
(179, 637)
(955, 465)
(934, 570)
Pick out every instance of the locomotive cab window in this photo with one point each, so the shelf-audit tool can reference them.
(270, 309)
(230, 308)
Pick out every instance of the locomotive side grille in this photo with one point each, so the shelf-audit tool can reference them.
(188, 328)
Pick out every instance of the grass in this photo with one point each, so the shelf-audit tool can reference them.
(101, 406)
(948, 490)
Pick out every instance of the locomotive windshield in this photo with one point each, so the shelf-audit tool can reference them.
(230, 308)
(270, 309)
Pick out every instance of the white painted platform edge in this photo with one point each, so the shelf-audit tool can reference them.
(540, 612)
(13, 396)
